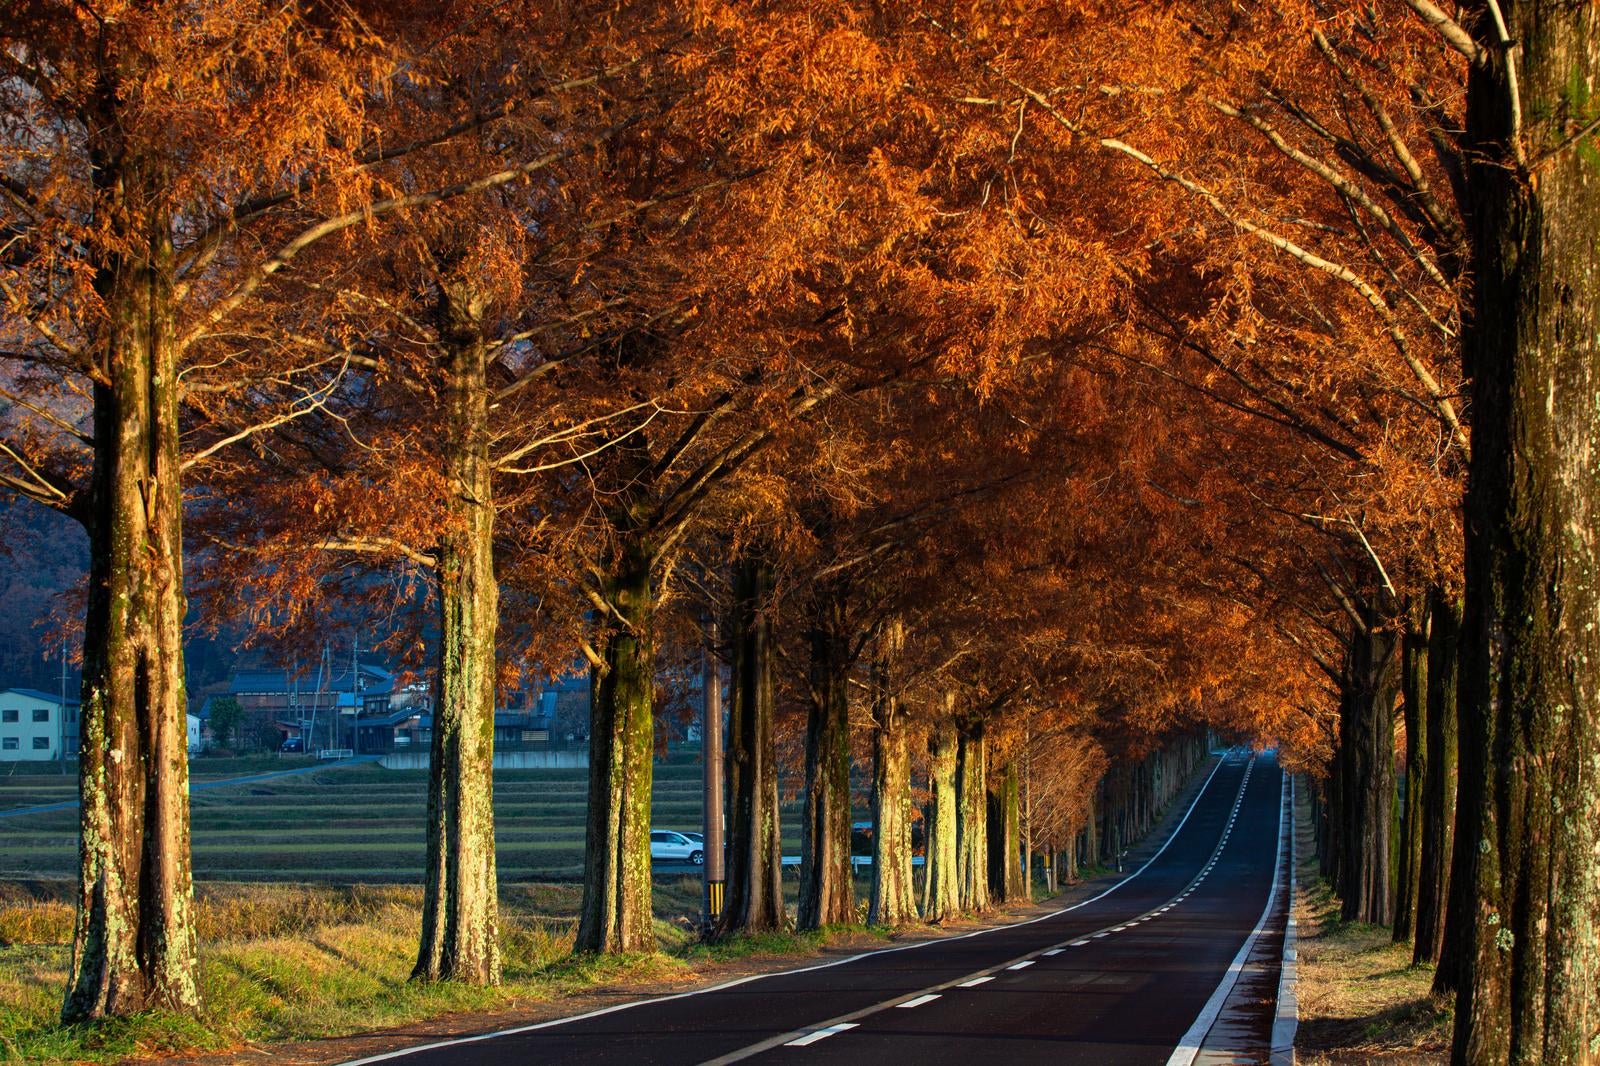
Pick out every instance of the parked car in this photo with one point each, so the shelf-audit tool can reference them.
(669, 846)
(293, 745)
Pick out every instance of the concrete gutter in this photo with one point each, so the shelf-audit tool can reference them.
(1287, 1018)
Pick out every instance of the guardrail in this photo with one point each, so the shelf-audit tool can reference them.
(856, 861)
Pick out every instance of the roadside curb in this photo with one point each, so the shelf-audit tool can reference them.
(1286, 1020)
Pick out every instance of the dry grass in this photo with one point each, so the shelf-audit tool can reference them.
(289, 962)
(1361, 999)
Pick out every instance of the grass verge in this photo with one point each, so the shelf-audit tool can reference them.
(1361, 999)
(297, 962)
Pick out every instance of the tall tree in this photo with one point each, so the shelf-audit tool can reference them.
(1531, 710)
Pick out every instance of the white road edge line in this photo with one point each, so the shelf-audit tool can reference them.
(1287, 1018)
(478, 1038)
(821, 1034)
(1189, 1046)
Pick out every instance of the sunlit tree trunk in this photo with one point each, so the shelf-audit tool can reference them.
(1530, 680)
(460, 912)
(1090, 852)
(755, 886)
(892, 900)
(1439, 791)
(1414, 702)
(827, 890)
(1366, 731)
(1005, 837)
(972, 826)
(615, 914)
(943, 873)
(134, 938)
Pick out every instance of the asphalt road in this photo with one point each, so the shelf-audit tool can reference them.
(1126, 977)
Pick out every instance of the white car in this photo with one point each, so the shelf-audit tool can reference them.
(667, 846)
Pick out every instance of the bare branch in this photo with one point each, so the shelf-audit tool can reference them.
(338, 223)
(311, 401)
(1448, 28)
(379, 546)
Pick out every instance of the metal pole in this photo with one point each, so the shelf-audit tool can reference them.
(61, 711)
(355, 695)
(711, 752)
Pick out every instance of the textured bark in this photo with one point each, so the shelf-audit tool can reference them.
(1439, 789)
(460, 910)
(892, 900)
(615, 915)
(1089, 853)
(755, 886)
(1366, 748)
(1330, 827)
(1414, 701)
(827, 889)
(944, 817)
(1530, 689)
(1005, 837)
(972, 825)
(134, 938)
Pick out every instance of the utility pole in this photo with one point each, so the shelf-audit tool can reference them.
(61, 709)
(355, 695)
(309, 732)
(711, 752)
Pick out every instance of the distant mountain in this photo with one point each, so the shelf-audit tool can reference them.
(44, 563)
(44, 558)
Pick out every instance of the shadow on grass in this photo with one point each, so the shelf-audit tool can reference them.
(1402, 1029)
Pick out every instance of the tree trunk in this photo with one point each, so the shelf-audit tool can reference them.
(460, 909)
(134, 940)
(1367, 751)
(1414, 701)
(1330, 826)
(944, 875)
(615, 915)
(893, 900)
(972, 826)
(755, 875)
(827, 889)
(1005, 837)
(1529, 687)
(1439, 790)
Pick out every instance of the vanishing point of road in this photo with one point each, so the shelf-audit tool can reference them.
(1137, 974)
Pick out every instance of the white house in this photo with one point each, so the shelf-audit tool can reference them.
(35, 726)
(32, 727)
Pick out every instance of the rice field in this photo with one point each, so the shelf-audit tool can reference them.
(352, 824)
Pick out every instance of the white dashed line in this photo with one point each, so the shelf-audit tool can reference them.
(919, 1001)
(1097, 936)
(1079, 943)
(975, 982)
(1053, 951)
(821, 1034)
(1023, 965)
